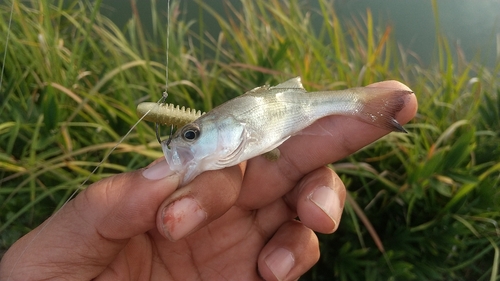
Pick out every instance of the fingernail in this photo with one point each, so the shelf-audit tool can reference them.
(328, 201)
(181, 217)
(158, 171)
(280, 262)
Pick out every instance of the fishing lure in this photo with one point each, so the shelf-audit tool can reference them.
(167, 113)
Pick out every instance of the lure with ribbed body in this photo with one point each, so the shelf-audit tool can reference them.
(167, 113)
(263, 118)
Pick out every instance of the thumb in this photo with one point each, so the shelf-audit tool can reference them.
(87, 233)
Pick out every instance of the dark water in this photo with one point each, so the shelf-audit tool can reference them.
(473, 25)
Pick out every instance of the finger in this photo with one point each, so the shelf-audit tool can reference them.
(82, 238)
(200, 202)
(319, 200)
(265, 180)
(292, 251)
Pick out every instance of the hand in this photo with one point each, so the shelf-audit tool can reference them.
(234, 224)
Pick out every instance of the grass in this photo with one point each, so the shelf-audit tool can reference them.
(73, 79)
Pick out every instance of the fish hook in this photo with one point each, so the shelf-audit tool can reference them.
(157, 131)
(170, 135)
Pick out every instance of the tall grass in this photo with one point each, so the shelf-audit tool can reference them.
(73, 79)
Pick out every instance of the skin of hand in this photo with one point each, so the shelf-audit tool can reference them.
(233, 224)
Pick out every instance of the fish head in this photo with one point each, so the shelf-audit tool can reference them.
(210, 143)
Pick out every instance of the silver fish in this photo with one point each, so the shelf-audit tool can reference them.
(263, 118)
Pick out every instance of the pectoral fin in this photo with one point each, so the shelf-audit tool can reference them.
(272, 155)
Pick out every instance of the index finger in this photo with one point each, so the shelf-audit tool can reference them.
(327, 140)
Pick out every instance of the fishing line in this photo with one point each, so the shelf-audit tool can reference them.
(165, 93)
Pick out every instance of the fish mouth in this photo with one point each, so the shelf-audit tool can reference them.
(178, 158)
(181, 161)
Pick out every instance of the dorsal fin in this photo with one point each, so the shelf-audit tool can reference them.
(293, 83)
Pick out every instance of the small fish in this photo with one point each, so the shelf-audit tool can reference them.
(263, 118)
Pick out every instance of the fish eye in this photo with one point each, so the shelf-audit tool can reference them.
(190, 133)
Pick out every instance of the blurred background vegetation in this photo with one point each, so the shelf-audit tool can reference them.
(425, 205)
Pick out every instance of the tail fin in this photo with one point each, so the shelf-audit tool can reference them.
(380, 106)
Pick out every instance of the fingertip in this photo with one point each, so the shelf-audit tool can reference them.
(321, 200)
(180, 218)
(157, 170)
(280, 262)
(198, 203)
(411, 105)
(318, 199)
(290, 253)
